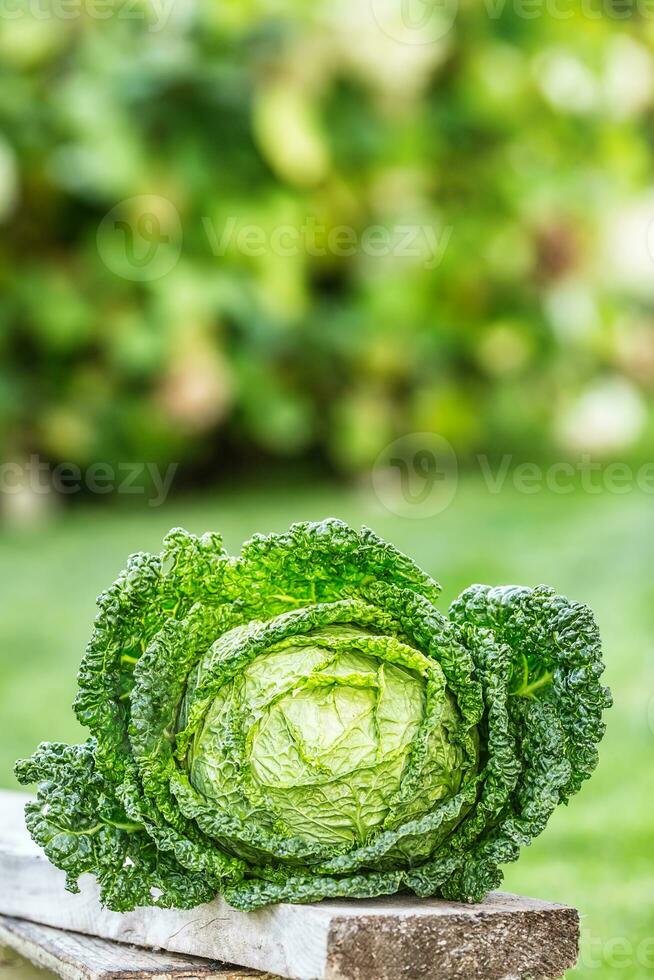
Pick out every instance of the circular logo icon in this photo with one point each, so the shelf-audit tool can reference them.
(140, 239)
(416, 476)
(415, 21)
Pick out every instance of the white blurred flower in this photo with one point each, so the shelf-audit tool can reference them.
(628, 77)
(627, 246)
(393, 55)
(607, 417)
(571, 309)
(567, 84)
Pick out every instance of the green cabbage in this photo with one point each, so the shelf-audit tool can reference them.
(301, 722)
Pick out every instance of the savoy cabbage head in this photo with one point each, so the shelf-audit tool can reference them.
(301, 722)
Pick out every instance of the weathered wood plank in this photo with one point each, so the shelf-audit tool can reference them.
(393, 938)
(76, 957)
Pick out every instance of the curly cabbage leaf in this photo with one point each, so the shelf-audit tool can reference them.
(300, 722)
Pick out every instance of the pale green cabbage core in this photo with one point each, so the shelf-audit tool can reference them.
(315, 736)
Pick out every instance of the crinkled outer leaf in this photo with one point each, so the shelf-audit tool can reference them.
(301, 722)
(81, 827)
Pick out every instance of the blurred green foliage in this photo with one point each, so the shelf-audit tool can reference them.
(522, 141)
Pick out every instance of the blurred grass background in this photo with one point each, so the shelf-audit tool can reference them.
(274, 378)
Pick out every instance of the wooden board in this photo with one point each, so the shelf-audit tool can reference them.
(394, 938)
(76, 957)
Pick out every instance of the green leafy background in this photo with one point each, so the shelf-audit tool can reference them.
(528, 137)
